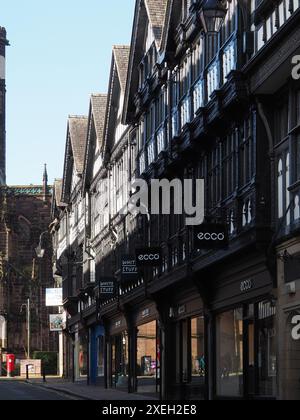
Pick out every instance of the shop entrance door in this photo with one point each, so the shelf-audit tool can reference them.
(148, 359)
(119, 361)
(189, 381)
(246, 356)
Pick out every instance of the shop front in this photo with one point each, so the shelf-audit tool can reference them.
(244, 334)
(147, 373)
(117, 355)
(81, 355)
(289, 319)
(187, 353)
(97, 351)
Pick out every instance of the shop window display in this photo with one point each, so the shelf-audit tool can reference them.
(198, 349)
(83, 356)
(148, 358)
(229, 330)
(246, 354)
(119, 353)
(267, 355)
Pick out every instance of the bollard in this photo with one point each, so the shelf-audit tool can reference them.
(44, 375)
(27, 372)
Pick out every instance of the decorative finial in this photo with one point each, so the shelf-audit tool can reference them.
(45, 182)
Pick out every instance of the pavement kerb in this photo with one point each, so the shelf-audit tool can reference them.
(60, 391)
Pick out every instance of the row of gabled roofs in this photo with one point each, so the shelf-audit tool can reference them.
(100, 104)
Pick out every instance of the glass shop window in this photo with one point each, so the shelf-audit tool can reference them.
(198, 349)
(120, 361)
(229, 334)
(83, 356)
(148, 359)
(297, 157)
(147, 352)
(267, 354)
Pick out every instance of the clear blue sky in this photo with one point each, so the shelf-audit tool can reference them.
(60, 53)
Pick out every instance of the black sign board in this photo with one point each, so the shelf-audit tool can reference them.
(129, 269)
(211, 236)
(107, 288)
(148, 257)
(292, 268)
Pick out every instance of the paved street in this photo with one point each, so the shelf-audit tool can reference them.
(20, 391)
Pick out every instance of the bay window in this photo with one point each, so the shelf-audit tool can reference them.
(198, 96)
(229, 164)
(185, 111)
(246, 151)
(230, 24)
(185, 77)
(161, 141)
(229, 59)
(151, 151)
(212, 78)
(274, 21)
(186, 4)
(198, 59)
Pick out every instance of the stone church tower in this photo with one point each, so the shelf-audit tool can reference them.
(25, 215)
(3, 44)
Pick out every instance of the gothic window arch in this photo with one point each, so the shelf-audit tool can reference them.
(24, 228)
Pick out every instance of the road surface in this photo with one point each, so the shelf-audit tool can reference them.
(19, 391)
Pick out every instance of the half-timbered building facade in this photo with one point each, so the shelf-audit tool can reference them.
(191, 99)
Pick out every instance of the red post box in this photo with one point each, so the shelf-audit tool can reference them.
(10, 363)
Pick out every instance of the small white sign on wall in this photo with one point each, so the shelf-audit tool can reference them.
(296, 328)
(54, 297)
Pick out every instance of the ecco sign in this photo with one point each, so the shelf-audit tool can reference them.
(211, 236)
(246, 285)
(148, 257)
(296, 328)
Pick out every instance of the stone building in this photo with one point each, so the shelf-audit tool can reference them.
(25, 216)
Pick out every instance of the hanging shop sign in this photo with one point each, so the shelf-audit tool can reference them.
(129, 269)
(211, 236)
(107, 288)
(150, 257)
(58, 322)
(296, 328)
(54, 297)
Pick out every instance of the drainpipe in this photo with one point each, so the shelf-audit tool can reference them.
(265, 121)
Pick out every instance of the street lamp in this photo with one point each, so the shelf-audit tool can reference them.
(28, 322)
(212, 15)
(40, 251)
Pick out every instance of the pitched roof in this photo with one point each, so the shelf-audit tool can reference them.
(78, 134)
(121, 56)
(156, 13)
(98, 109)
(58, 184)
(29, 190)
(156, 10)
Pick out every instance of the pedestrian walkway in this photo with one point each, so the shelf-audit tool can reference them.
(84, 392)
